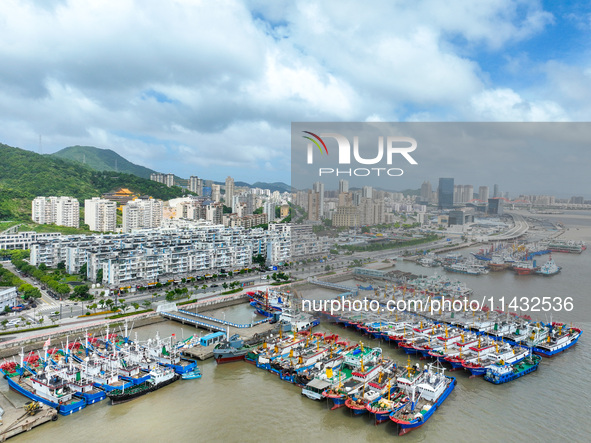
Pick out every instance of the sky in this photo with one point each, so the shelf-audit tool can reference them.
(211, 88)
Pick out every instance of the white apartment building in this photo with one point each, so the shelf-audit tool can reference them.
(24, 240)
(142, 213)
(8, 297)
(196, 185)
(60, 211)
(167, 179)
(100, 214)
(150, 254)
(229, 195)
(216, 195)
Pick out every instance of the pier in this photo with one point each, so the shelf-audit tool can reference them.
(14, 420)
(207, 322)
(337, 286)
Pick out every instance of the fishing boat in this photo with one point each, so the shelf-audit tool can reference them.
(469, 269)
(558, 340)
(384, 406)
(167, 353)
(374, 390)
(159, 377)
(194, 374)
(433, 389)
(504, 372)
(508, 354)
(230, 350)
(359, 367)
(525, 267)
(45, 386)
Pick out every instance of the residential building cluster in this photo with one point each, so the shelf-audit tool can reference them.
(147, 255)
(167, 179)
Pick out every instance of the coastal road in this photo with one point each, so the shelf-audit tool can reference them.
(519, 228)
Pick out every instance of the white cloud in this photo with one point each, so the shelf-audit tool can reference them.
(217, 84)
(506, 105)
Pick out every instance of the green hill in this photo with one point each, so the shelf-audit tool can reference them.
(102, 160)
(108, 160)
(25, 175)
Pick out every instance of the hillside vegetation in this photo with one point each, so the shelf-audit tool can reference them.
(25, 175)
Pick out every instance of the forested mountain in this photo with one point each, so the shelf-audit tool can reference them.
(25, 175)
(102, 160)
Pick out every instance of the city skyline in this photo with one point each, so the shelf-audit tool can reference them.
(521, 158)
(214, 87)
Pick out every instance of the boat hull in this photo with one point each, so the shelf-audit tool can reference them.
(404, 427)
(122, 396)
(63, 409)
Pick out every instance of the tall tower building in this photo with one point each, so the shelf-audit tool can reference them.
(445, 193)
(468, 193)
(319, 188)
(483, 194)
(196, 185)
(229, 191)
(313, 206)
(343, 186)
(426, 192)
(216, 194)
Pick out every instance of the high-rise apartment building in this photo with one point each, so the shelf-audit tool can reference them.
(216, 194)
(60, 211)
(196, 185)
(313, 206)
(343, 186)
(426, 192)
(483, 194)
(142, 213)
(229, 191)
(167, 179)
(100, 214)
(319, 188)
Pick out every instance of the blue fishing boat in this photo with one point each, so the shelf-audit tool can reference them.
(433, 389)
(194, 374)
(504, 372)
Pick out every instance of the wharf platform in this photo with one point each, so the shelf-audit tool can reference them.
(15, 420)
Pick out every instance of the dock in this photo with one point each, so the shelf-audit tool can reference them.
(16, 420)
(251, 335)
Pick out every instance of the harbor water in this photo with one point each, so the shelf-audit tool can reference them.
(237, 402)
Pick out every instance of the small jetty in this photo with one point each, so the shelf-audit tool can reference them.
(15, 420)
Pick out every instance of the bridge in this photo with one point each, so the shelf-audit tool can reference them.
(348, 290)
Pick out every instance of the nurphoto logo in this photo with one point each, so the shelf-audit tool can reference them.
(395, 145)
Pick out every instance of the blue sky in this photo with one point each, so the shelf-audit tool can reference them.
(211, 88)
